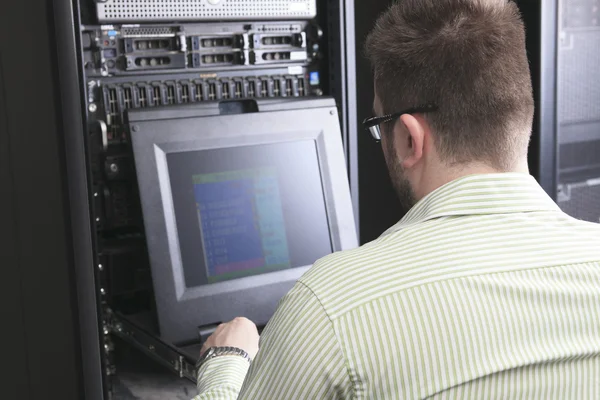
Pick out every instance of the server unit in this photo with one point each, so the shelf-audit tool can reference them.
(122, 57)
(563, 39)
(578, 108)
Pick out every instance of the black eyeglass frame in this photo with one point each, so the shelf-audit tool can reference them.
(372, 124)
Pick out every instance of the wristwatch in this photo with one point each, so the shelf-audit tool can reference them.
(221, 351)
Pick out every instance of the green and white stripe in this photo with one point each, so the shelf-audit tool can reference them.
(484, 290)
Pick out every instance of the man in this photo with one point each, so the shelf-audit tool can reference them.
(485, 289)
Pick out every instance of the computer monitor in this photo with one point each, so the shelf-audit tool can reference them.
(239, 200)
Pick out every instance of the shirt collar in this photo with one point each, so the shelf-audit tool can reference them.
(505, 193)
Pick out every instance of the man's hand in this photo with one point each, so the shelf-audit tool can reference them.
(240, 333)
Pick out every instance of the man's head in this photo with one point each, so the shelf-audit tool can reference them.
(468, 58)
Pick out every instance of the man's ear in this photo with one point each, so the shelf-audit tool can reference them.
(416, 140)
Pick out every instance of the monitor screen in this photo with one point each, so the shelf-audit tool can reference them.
(239, 201)
(241, 223)
(250, 210)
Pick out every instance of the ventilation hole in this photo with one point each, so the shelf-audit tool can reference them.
(156, 96)
(143, 98)
(185, 94)
(199, 92)
(226, 90)
(128, 98)
(170, 94)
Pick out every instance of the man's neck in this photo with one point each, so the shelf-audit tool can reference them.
(451, 173)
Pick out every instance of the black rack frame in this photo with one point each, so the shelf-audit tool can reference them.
(67, 20)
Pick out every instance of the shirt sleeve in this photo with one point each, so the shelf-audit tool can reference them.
(222, 377)
(300, 357)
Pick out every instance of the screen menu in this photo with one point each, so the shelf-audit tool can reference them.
(242, 224)
(248, 210)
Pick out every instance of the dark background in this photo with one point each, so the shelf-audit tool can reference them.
(379, 208)
(38, 328)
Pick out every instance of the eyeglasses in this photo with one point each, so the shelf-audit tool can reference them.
(373, 124)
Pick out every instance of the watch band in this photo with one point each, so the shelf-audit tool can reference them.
(221, 351)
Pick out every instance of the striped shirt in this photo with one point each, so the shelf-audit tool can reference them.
(484, 290)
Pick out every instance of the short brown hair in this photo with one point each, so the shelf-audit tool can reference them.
(466, 56)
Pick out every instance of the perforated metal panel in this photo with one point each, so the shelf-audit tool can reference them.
(581, 200)
(578, 61)
(204, 10)
(578, 108)
(578, 83)
(578, 155)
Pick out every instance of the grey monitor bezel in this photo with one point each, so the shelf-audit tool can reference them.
(156, 133)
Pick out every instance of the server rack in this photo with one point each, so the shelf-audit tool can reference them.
(336, 17)
(578, 108)
(563, 40)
